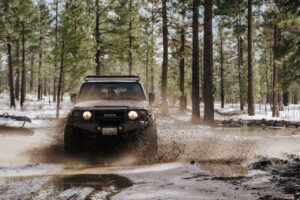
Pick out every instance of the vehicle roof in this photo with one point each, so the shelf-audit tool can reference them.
(97, 79)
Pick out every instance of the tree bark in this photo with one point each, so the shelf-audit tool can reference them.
(23, 78)
(208, 64)
(164, 77)
(10, 72)
(195, 63)
(240, 60)
(97, 32)
(251, 108)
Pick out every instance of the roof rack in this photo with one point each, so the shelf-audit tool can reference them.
(112, 78)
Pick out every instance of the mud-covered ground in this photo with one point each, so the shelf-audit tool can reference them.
(194, 162)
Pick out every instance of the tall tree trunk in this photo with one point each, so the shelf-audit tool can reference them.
(10, 73)
(97, 32)
(147, 65)
(286, 95)
(31, 73)
(279, 77)
(45, 86)
(40, 66)
(240, 63)
(152, 49)
(295, 97)
(130, 39)
(195, 63)
(182, 63)
(201, 71)
(17, 84)
(17, 75)
(164, 77)
(251, 108)
(267, 82)
(55, 54)
(275, 110)
(61, 72)
(222, 94)
(23, 80)
(62, 87)
(208, 64)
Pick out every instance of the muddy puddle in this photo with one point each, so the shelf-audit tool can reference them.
(34, 162)
(255, 132)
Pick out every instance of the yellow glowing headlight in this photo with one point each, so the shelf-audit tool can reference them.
(87, 115)
(133, 115)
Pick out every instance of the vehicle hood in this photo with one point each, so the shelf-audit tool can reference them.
(113, 103)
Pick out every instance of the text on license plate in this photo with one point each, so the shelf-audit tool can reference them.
(109, 131)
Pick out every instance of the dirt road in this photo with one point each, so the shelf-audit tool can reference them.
(195, 162)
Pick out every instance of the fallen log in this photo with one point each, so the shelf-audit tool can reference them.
(257, 123)
(16, 118)
(230, 113)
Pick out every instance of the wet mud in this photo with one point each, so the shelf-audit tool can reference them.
(225, 153)
(82, 186)
(285, 174)
(15, 131)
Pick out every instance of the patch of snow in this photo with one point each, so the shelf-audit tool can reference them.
(33, 108)
(11, 170)
(76, 193)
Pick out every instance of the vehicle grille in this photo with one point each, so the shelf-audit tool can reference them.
(110, 116)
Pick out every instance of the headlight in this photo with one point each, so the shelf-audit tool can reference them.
(87, 115)
(133, 115)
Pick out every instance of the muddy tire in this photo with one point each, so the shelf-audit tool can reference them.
(149, 142)
(72, 139)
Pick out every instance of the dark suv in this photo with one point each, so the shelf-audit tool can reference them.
(109, 109)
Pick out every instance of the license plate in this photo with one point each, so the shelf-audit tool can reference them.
(109, 131)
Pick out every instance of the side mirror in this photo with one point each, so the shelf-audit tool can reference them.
(73, 97)
(151, 98)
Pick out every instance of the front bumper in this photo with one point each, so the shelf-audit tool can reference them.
(110, 118)
(128, 126)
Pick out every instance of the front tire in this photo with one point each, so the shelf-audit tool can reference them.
(149, 142)
(72, 139)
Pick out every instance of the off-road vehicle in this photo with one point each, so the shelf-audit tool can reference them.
(107, 110)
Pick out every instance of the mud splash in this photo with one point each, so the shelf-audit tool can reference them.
(177, 142)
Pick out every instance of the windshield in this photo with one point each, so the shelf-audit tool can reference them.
(114, 91)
